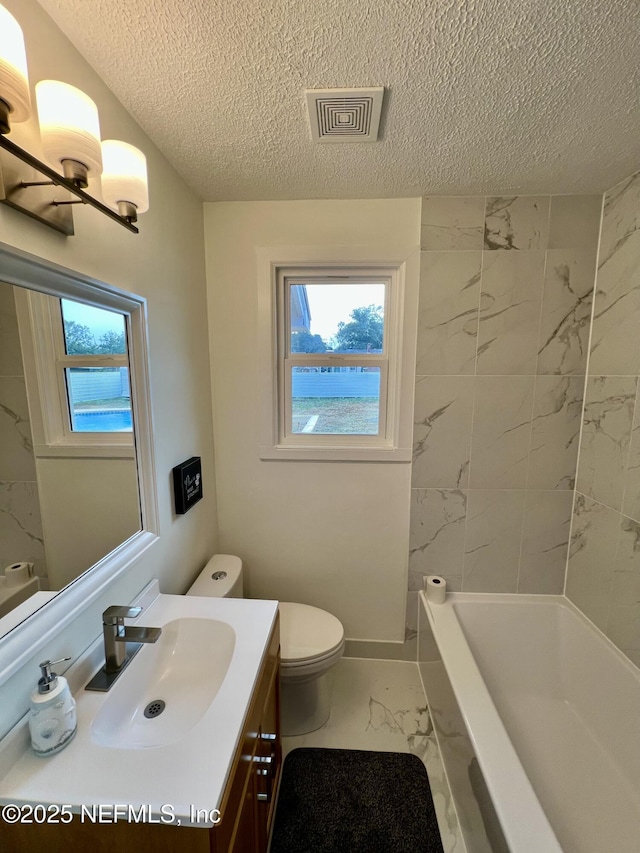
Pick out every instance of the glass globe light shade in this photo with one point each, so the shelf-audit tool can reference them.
(14, 79)
(69, 125)
(124, 178)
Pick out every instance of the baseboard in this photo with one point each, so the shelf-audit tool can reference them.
(405, 650)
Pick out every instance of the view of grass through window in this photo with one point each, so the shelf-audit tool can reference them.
(331, 415)
(329, 396)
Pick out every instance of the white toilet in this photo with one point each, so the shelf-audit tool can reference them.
(311, 642)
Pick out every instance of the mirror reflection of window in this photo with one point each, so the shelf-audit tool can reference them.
(70, 501)
(69, 451)
(98, 394)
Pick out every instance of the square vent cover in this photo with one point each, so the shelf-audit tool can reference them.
(344, 115)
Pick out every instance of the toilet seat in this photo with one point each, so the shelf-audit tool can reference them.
(311, 642)
(311, 669)
(308, 635)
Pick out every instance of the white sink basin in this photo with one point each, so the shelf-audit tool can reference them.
(175, 680)
(204, 666)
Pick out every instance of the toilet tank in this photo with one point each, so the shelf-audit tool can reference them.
(220, 578)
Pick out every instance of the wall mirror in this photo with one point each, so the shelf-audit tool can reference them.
(77, 502)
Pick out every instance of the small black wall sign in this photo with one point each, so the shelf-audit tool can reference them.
(187, 484)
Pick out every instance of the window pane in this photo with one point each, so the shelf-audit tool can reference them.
(99, 399)
(92, 331)
(334, 317)
(329, 400)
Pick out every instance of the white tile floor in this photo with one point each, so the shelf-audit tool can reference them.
(380, 705)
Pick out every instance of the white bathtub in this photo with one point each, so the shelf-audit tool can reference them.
(538, 719)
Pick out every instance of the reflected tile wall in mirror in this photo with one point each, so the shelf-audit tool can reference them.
(21, 537)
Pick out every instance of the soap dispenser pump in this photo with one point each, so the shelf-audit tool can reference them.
(52, 719)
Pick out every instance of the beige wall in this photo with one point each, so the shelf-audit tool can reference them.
(330, 534)
(89, 507)
(165, 264)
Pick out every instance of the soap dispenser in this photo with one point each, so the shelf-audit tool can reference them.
(52, 719)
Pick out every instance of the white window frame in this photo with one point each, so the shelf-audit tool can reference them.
(41, 331)
(80, 360)
(401, 271)
(288, 360)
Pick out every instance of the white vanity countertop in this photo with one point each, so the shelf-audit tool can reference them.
(187, 775)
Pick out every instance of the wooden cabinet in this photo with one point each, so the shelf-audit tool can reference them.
(249, 800)
(247, 807)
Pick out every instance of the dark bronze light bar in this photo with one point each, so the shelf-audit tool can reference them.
(16, 193)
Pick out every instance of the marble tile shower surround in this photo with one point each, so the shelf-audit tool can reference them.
(603, 572)
(503, 330)
(21, 536)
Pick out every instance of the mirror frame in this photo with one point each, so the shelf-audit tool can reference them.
(22, 269)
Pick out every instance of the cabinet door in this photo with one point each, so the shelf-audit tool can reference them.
(248, 804)
(245, 838)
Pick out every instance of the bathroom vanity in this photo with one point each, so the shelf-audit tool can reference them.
(204, 783)
(249, 800)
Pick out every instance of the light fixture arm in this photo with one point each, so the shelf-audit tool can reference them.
(61, 181)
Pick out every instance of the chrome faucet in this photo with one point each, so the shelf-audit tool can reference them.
(117, 635)
(121, 643)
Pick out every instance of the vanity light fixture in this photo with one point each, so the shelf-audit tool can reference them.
(124, 178)
(70, 133)
(69, 130)
(14, 80)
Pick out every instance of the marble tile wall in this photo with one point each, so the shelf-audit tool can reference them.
(603, 573)
(20, 523)
(503, 329)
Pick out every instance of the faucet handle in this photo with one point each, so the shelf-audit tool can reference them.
(115, 614)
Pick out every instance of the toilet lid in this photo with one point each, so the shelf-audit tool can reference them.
(307, 632)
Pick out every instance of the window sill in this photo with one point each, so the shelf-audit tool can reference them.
(88, 451)
(335, 454)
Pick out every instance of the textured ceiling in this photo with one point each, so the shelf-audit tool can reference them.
(483, 96)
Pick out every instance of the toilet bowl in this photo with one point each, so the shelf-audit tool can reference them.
(311, 642)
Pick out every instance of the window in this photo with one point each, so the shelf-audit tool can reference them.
(334, 356)
(79, 383)
(336, 363)
(91, 354)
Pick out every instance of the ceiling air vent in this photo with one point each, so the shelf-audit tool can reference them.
(344, 115)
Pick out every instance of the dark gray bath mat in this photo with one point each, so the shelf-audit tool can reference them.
(352, 801)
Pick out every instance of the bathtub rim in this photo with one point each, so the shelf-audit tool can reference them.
(519, 811)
